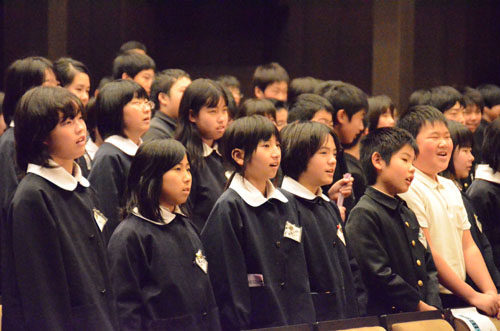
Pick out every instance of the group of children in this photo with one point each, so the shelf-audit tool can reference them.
(302, 204)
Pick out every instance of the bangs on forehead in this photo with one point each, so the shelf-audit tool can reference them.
(70, 109)
(140, 93)
(213, 99)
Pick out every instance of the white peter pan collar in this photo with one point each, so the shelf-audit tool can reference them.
(291, 185)
(485, 172)
(207, 150)
(251, 195)
(126, 145)
(59, 176)
(167, 215)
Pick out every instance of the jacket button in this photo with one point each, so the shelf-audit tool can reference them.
(413, 243)
(407, 224)
(420, 283)
(91, 236)
(205, 314)
(393, 308)
(419, 263)
(334, 243)
(282, 284)
(103, 291)
(278, 244)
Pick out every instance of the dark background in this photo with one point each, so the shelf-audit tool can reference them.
(425, 43)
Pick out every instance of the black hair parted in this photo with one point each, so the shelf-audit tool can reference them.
(37, 114)
(417, 117)
(145, 180)
(491, 145)
(110, 103)
(303, 140)
(378, 105)
(245, 133)
(462, 137)
(131, 45)
(67, 68)
(267, 74)
(386, 142)
(306, 105)
(22, 75)
(131, 63)
(263, 107)
(302, 85)
(201, 92)
(348, 97)
(164, 81)
(444, 98)
(490, 93)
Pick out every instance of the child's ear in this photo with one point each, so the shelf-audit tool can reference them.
(163, 99)
(342, 117)
(192, 118)
(259, 94)
(238, 156)
(126, 76)
(377, 161)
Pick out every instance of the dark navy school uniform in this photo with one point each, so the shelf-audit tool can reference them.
(10, 174)
(257, 265)
(109, 178)
(55, 274)
(208, 185)
(160, 275)
(162, 127)
(333, 285)
(387, 242)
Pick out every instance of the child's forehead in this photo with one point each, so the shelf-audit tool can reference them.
(436, 126)
(405, 149)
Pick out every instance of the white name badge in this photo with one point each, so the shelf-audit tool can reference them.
(201, 261)
(421, 237)
(340, 234)
(255, 280)
(293, 232)
(100, 219)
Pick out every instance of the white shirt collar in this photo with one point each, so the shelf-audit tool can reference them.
(59, 176)
(291, 185)
(251, 195)
(207, 150)
(485, 172)
(126, 145)
(91, 148)
(429, 181)
(167, 215)
(12, 124)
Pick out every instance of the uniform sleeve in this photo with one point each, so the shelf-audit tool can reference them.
(222, 240)
(127, 256)
(417, 205)
(365, 239)
(39, 265)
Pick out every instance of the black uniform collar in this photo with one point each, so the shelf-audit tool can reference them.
(384, 199)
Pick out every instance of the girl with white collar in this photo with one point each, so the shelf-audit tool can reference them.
(123, 115)
(158, 266)
(55, 275)
(253, 239)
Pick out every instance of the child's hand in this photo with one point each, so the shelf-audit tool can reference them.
(342, 213)
(422, 306)
(487, 303)
(342, 186)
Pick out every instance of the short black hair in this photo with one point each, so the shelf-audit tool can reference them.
(231, 103)
(417, 117)
(490, 93)
(378, 105)
(254, 106)
(386, 142)
(104, 80)
(461, 137)
(491, 145)
(164, 81)
(145, 180)
(444, 98)
(304, 140)
(245, 133)
(326, 85)
(300, 86)
(67, 68)
(417, 98)
(228, 81)
(131, 63)
(306, 105)
(267, 74)
(91, 118)
(131, 45)
(472, 97)
(37, 114)
(110, 102)
(348, 97)
(22, 75)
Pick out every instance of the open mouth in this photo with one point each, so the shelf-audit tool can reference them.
(81, 140)
(275, 164)
(409, 180)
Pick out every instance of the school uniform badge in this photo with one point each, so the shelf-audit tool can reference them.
(201, 261)
(293, 232)
(421, 237)
(100, 219)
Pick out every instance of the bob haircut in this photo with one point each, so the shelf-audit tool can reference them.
(491, 145)
(445, 97)
(490, 93)
(303, 139)
(300, 86)
(66, 69)
(377, 106)
(131, 63)
(164, 81)
(267, 74)
(37, 114)
(21, 76)
(417, 117)
(131, 45)
(110, 102)
(263, 107)
(386, 142)
(306, 105)
(245, 133)
(348, 97)
(145, 180)
(201, 92)
(461, 137)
